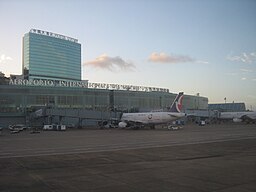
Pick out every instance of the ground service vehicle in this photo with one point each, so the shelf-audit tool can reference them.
(55, 127)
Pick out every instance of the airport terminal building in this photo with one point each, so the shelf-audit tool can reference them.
(227, 107)
(48, 83)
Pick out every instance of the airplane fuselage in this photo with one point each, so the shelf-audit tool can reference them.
(247, 115)
(231, 115)
(152, 117)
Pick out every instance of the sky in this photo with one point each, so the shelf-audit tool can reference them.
(196, 46)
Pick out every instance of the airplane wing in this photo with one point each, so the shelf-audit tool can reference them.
(173, 115)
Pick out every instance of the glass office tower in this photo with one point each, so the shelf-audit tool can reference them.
(49, 55)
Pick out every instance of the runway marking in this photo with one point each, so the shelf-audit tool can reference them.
(115, 147)
(54, 143)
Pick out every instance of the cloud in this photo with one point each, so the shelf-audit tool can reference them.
(244, 57)
(246, 70)
(111, 63)
(4, 58)
(243, 78)
(202, 62)
(165, 58)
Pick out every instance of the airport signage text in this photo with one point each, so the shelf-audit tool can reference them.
(48, 83)
(83, 84)
(46, 33)
(126, 87)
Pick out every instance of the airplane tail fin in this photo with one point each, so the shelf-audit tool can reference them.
(177, 103)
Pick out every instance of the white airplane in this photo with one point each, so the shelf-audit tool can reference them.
(246, 116)
(136, 120)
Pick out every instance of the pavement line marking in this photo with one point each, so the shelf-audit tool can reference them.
(90, 150)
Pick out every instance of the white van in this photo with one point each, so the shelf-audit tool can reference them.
(48, 127)
(61, 127)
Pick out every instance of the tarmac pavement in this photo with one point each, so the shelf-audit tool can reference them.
(211, 158)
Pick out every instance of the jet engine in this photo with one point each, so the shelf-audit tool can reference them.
(122, 124)
(237, 120)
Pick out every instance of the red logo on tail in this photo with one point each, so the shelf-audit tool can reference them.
(179, 104)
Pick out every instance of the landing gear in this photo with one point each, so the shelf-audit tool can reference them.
(152, 127)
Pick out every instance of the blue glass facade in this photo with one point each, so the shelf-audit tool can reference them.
(50, 57)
